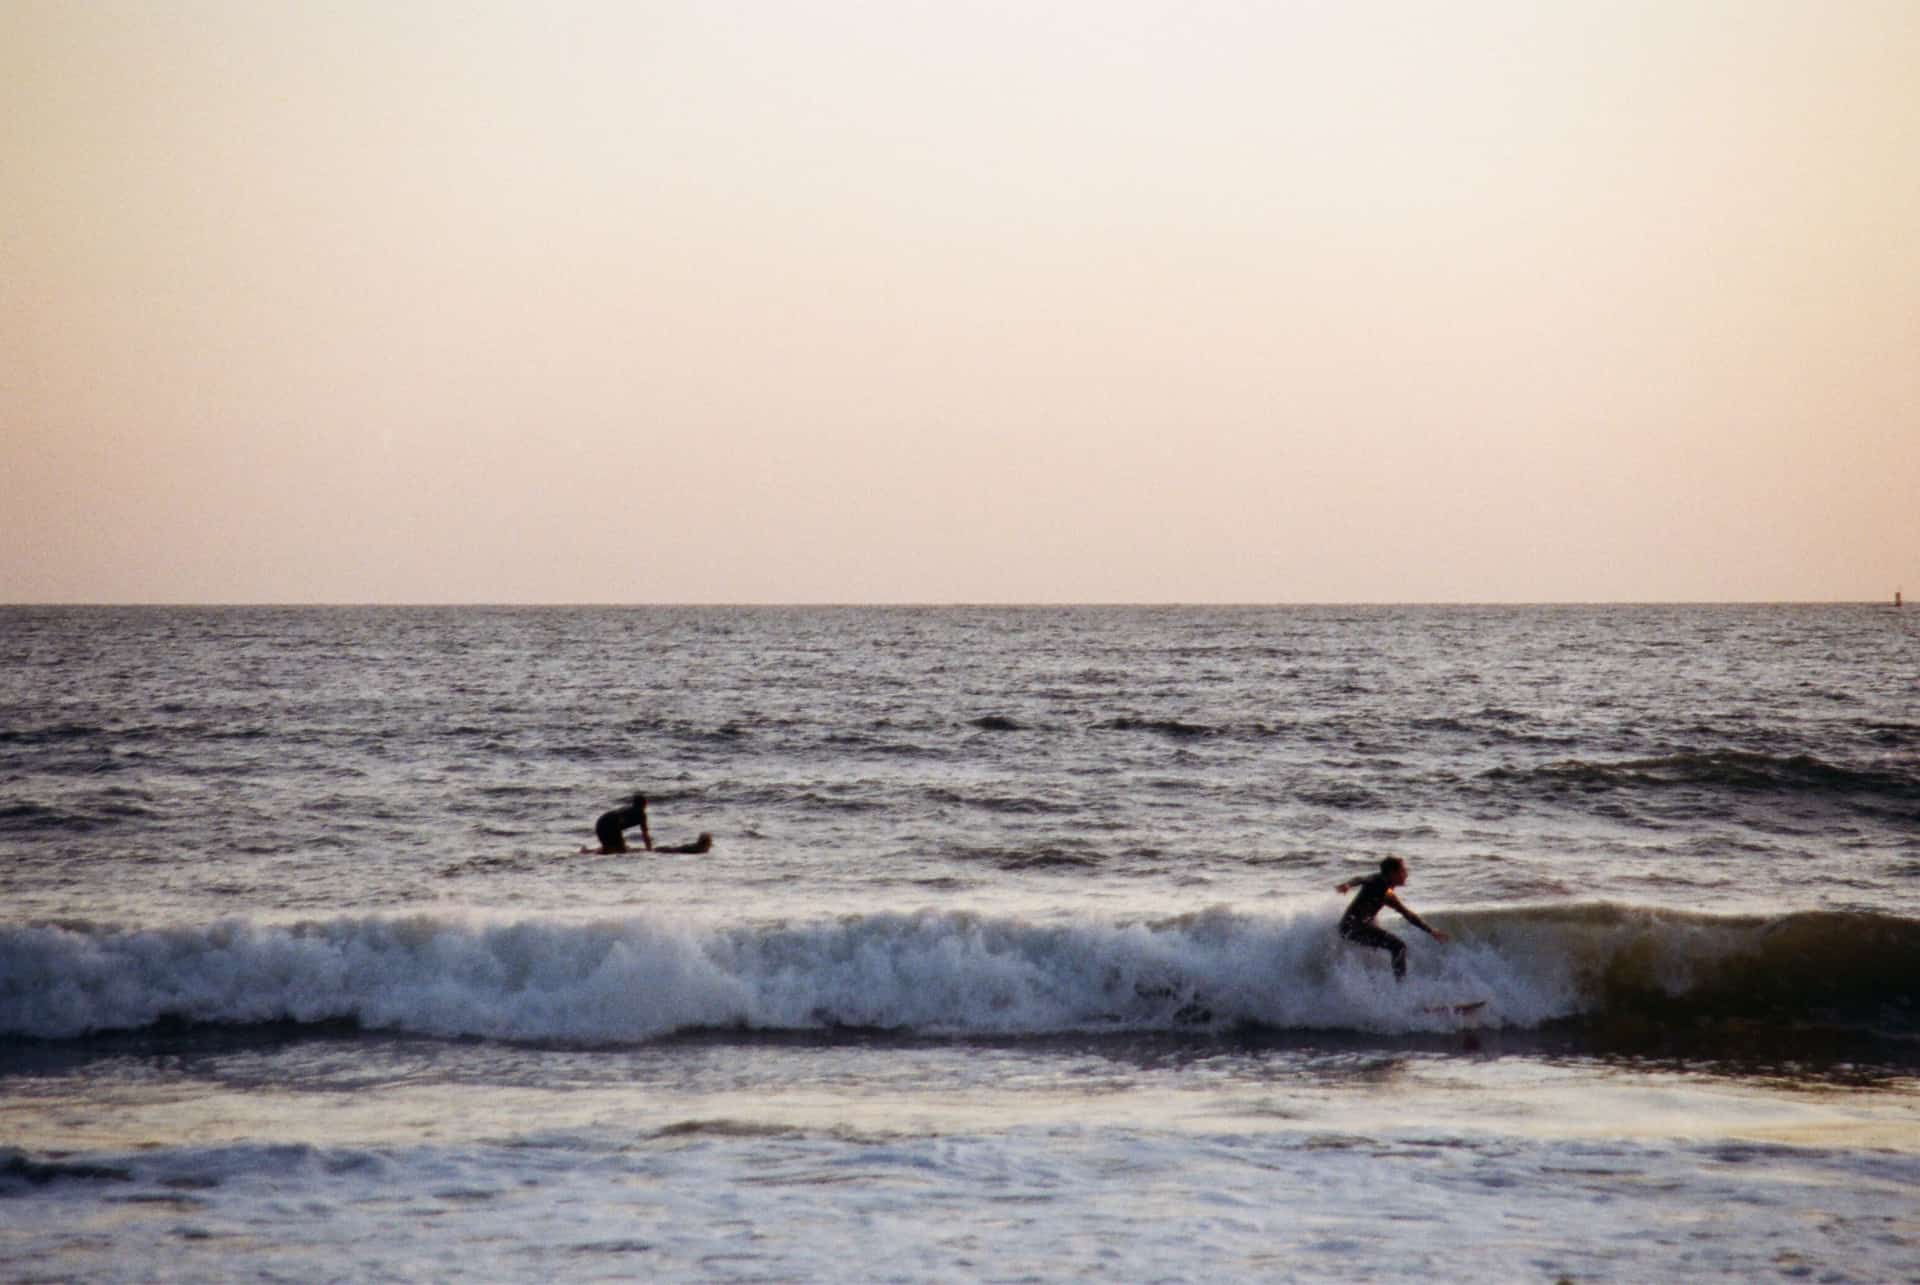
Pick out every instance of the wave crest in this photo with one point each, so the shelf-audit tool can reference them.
(951, 973)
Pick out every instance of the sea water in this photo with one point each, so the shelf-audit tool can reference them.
(1013, 958)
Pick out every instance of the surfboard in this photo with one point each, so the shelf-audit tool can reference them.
(1473, 1006)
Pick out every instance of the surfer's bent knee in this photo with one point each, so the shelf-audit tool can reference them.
(608, 832)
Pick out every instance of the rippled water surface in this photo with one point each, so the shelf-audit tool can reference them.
(1013, 957)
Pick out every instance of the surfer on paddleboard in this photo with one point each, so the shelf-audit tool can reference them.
(612, 826)
(1376, 891)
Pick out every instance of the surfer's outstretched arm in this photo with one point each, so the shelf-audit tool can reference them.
(1414, 919)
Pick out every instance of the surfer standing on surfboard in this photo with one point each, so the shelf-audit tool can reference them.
(1376, 891)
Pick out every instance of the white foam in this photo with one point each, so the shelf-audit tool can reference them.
(637, 978)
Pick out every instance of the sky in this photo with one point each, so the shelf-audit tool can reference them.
(702, 301)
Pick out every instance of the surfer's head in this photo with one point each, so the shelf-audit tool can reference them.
(1395, 870)
(640, 801)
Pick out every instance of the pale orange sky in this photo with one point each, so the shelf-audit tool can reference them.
(1101, 300)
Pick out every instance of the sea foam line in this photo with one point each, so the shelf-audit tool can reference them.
(635, 979)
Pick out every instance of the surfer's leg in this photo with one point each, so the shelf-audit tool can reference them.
(1379, 939)
(607, 830)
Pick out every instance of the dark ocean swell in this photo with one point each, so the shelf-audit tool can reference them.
(1805, 971)
(1880, 788)
(1594, 967)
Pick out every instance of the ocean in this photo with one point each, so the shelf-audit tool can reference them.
(1014, 958)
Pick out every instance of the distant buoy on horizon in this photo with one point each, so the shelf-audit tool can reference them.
(1896, 599)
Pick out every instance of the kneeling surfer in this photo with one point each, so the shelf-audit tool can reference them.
(611, 828)
(1376, 891)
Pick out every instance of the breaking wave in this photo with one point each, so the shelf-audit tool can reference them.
(632, 980)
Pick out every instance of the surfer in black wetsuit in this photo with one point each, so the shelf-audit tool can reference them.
(612, 826)
(1376, 891)
(702, 844)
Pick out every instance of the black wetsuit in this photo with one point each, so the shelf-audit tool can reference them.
(609, 828)
(1357, 925)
